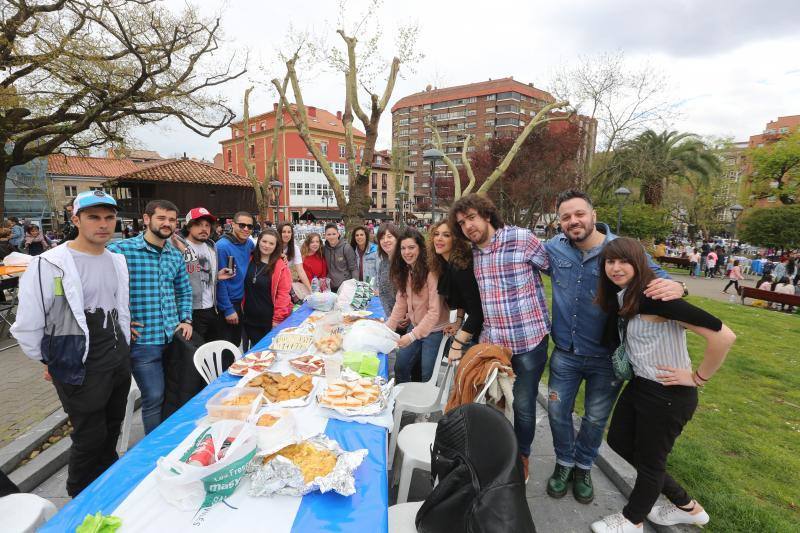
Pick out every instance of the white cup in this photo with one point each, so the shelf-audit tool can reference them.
(333, 367)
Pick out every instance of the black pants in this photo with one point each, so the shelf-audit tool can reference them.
(234, 333)
(646, 421)
(255, 333)
(208, 324)
(734, 282)
(96, 409)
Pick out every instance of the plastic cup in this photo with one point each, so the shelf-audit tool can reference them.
(333, 367)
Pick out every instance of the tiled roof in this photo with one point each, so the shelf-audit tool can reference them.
(472, 89)
(185, 171)
(323, 121)
(70, 165)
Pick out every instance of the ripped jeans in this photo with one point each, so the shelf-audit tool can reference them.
(567, 370)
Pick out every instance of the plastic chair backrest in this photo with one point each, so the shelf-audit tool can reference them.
(208, 358)
(435, 374)
(447, 381)
(481, 397)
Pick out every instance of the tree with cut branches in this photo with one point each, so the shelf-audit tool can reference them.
(357, 79)
(78, 74)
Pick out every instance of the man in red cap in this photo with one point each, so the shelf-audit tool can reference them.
(201, 264)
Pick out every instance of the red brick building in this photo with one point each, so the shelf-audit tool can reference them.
(494, 108)
(304, 184)
(773, 131)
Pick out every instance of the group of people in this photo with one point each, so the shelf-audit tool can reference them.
(16, 236)
(607, 296)
(96, 313)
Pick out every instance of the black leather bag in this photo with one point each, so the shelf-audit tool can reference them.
(481, 488)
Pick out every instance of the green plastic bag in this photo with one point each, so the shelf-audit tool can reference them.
(365, 363)
(99, 523)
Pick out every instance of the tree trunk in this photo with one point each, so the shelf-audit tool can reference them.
(3, 177)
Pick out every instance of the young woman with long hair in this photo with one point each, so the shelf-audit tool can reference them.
(388, 237)
(662, 396)
(366, 254)
(734, 277)
(266, 300)
(450, 258)
(290, 251)
(418, 301)
(314, 263)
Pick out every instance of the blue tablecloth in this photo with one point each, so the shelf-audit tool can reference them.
(364, 511)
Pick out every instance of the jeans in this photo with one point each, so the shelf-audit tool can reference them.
(647, 420)
(528, 367)
(567, 371)
(426, 349)
(148, 371)
(96, 409)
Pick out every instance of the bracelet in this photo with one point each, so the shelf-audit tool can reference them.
(699, 376)
(697, 383)
(413, 337)
(459, 317)
(453, 344)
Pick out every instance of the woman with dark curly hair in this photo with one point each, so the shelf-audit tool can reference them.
(417, 300)
(450, 258)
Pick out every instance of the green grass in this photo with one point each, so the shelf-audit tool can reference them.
(740, 454)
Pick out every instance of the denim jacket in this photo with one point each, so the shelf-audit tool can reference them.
(579, 323)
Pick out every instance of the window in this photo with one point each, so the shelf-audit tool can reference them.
(403, 122)
(415, 108)
(236, 133)
(383, 181)
(252, 151)
(471, 99)
(264, 125)
(374, 180)
(487, 135)
(374, 199)
(341, 150)
(413, 131)
(402, 133)
(413, 152)
(508, 109)
(383, 200)
(489, 122)
(509, 95)
(472, 112)
(414, 120)
(491, 96)
(413, 163)
(378, 160)
(490, 110)
(70, 191)
(471, 125)
(253, 128)
(230, 155)
(324, 148)
(413, 142)
(426, 106)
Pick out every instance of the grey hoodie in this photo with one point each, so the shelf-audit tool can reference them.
(341, 260)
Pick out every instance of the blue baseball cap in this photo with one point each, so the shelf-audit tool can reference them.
(91, 199)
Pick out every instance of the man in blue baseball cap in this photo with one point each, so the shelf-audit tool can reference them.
(74, 317)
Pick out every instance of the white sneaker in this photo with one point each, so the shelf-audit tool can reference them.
(616, 523)
(670, 515)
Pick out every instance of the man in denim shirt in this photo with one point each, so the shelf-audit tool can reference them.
(579, 354)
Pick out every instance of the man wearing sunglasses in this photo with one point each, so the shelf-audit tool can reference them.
(236, 245)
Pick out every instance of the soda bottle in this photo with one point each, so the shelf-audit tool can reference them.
(315, 284)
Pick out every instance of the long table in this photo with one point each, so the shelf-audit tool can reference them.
(364, 511)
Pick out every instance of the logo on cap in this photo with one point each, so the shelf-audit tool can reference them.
(99, 194)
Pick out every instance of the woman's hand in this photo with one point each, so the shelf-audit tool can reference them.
(451, 328)
(675, 376)
(404, 341)
(454, 354)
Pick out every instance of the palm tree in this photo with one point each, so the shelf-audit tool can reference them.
(653, 159)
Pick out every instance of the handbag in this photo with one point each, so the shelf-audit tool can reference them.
(620, 362)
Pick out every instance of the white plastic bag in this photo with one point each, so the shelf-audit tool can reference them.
(370, 336)
(17, 259)
(353, 295)
(322, 301)
(190, 487)
(277, 436)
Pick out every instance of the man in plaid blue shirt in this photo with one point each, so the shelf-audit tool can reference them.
(508, 262)
(160, 302)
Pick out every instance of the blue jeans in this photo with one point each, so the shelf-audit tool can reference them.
(567, 370)
(407, 357)
(528, 367)
(148, 371)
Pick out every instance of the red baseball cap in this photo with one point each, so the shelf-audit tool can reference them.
(199, 212)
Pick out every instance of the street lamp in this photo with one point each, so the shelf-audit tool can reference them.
(735, 210)
(622, 193)
(275, 186)
(433, 156)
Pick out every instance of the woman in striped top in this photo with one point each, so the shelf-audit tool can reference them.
(662, 397)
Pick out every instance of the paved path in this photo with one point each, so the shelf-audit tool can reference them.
(26, 398)
(712, 288)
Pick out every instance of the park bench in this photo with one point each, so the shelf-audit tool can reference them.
(681, 262)
(768, 296)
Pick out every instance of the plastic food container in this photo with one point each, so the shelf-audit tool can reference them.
(234, 403)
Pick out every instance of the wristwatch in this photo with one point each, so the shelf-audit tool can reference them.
(685, 289)
(186, 321)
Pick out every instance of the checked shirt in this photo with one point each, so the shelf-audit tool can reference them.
(508, 273)
(160, 293)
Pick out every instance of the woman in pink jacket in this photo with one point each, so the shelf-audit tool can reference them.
(419, 301)
(266, 300)
(734, 276)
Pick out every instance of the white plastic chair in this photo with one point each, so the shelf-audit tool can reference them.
(419, 398)
(208, 358)
(402, 517)
(25, 513)
(125, 433)
(415, 441)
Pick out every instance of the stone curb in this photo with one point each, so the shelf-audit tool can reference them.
(43, 466)
(18, 449)
(618, 470)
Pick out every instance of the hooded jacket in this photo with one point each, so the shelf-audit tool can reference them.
(232, 290)
(281, 284)
(341, 261)
(193, 269)
(50, 325)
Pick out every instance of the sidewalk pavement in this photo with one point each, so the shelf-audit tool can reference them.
(712, 287)
(26, 398)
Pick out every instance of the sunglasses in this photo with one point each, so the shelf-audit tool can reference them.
(245, 226)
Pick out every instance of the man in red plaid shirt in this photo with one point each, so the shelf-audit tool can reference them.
(508, 261)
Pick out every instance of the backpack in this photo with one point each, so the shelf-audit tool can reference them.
(481, 488)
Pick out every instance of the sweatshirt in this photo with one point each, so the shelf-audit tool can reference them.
(315, 267)
(232, 290)
(341, 260)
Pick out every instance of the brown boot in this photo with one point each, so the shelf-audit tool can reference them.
(524, 467)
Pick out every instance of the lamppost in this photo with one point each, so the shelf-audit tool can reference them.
(433, 156)
(275, 186)
(735, 210)
(622, 193)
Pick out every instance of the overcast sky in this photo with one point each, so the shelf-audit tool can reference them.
(731, 65)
